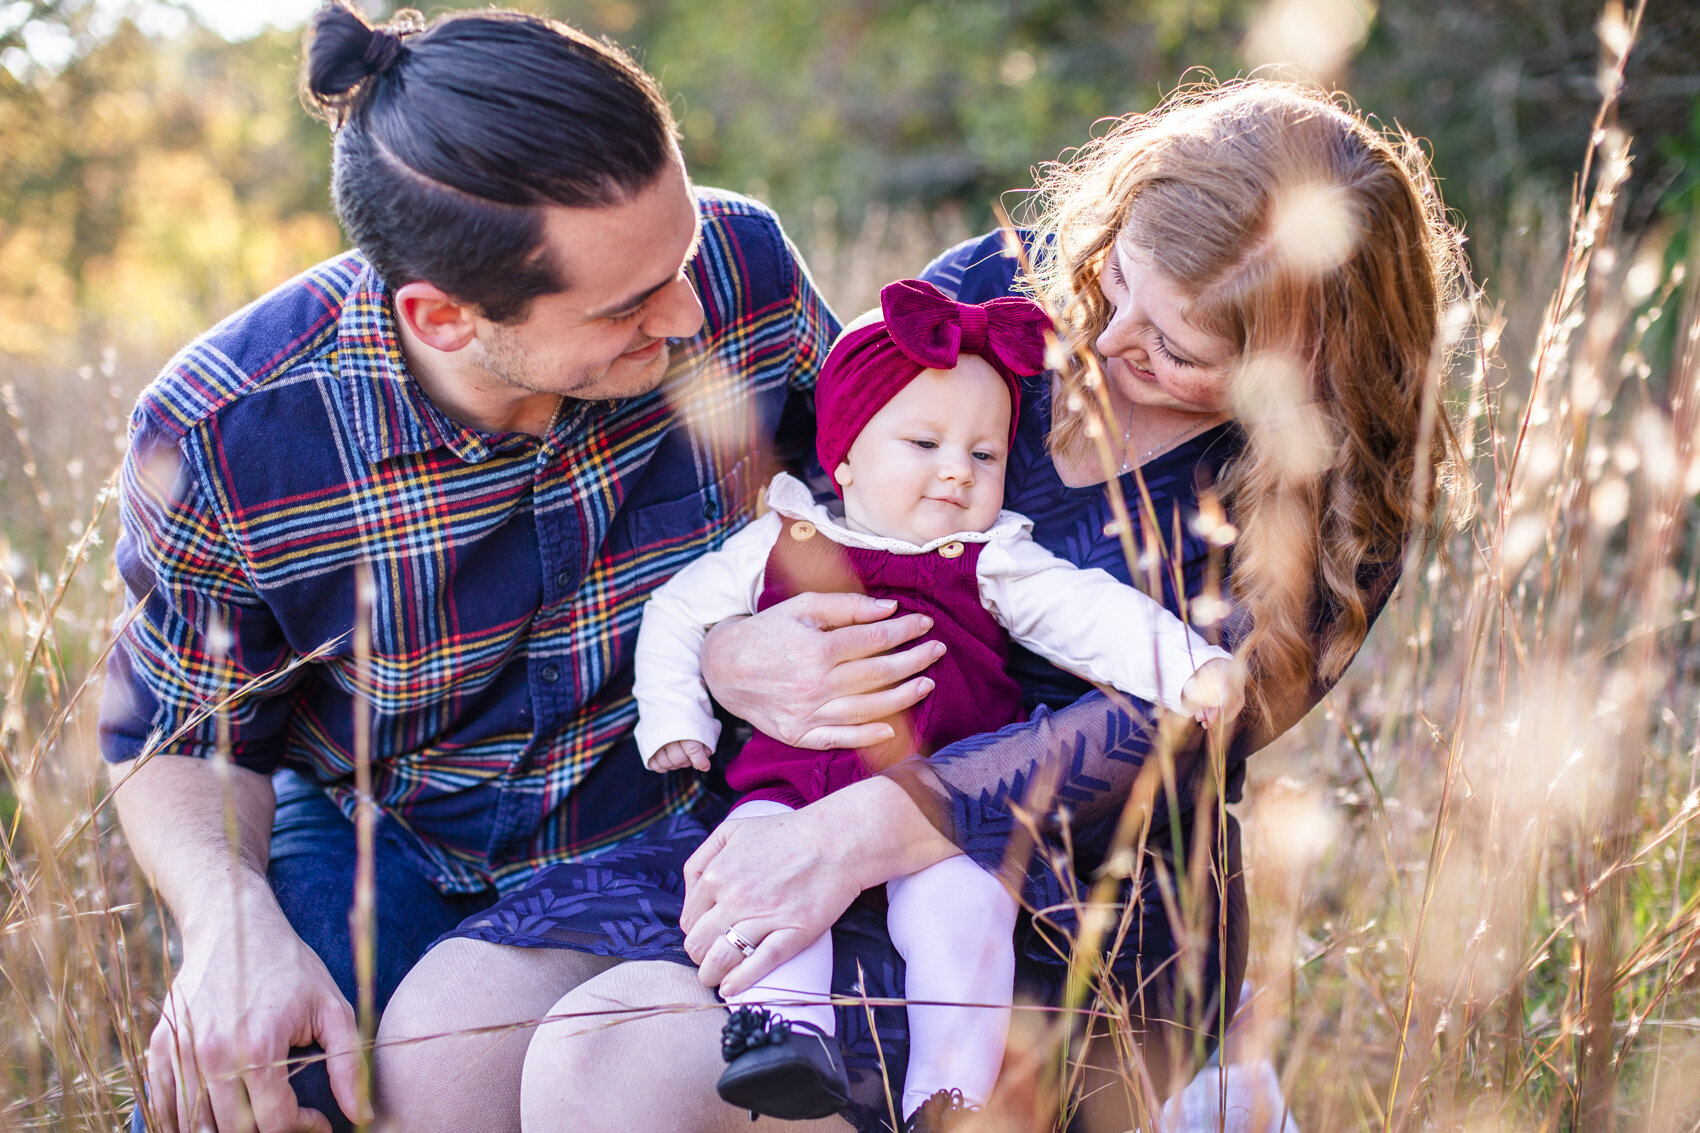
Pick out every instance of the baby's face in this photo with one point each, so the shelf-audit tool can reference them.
(931, 461)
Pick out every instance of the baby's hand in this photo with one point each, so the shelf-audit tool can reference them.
(681, 754)
(1216, 692)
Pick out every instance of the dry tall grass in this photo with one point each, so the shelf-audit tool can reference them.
(1474, 872)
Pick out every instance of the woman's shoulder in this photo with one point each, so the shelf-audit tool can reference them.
(978, 269)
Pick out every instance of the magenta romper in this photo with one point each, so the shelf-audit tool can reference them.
(972, 691)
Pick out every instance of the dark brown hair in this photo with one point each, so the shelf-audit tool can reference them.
(452, 137)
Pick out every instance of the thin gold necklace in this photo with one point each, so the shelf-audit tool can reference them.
(1127, 434)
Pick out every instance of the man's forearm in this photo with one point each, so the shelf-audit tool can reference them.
(180, 819)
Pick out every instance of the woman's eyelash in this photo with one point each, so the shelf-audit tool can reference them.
(1163, 349)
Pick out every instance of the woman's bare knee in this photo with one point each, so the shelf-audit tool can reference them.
(453, 1038)
(637, 1047)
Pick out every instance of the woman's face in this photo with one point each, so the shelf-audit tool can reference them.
(1152, 355)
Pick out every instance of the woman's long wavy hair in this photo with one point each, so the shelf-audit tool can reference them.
(1319, 246)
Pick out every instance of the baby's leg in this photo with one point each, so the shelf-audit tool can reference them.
(807, 975)
(954, 924)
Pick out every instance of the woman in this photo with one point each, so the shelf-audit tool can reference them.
(1250, 282)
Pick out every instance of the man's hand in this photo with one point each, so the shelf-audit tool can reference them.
(817, 671)
(243, 997)
(680, 754)
(249, 988)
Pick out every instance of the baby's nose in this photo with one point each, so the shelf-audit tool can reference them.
(958, 468)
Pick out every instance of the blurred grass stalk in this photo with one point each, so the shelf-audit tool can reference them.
(1489, 924)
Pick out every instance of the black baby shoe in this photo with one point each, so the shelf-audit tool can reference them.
(792, 1071)
(943, 1111)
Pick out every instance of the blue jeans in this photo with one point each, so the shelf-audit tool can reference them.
(312, 874)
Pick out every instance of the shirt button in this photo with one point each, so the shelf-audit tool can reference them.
(551, 674)
(563, 580)
(802, 530)
(951, 550)
(710, 509)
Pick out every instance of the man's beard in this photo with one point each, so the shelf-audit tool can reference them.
(501, 356)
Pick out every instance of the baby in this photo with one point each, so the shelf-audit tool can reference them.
(917, 407)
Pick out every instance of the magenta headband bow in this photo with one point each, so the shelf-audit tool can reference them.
(921, 328)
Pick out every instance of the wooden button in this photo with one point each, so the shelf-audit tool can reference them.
(951, 550)
(802, 530)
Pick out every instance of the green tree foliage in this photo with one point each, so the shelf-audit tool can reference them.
(151, 184)
(915, 104)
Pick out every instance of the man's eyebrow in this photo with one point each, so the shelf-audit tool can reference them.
(625, 305)
(642, 297)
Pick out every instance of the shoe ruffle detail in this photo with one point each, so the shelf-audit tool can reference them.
(941, 1112)
(751, 1028)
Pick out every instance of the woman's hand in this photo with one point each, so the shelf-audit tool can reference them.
(817, 671)
(783, 880)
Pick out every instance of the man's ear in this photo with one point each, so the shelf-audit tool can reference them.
(434, 318)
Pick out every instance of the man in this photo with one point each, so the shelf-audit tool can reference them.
(552, 374)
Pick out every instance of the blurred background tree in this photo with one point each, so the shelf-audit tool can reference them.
(154, 176)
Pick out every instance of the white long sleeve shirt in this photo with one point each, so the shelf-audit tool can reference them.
(1082, 620)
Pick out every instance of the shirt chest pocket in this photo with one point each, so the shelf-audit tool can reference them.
(689, 515)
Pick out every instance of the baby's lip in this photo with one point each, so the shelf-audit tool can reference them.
(953, 501)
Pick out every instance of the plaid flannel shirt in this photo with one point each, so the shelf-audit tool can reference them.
(290, 445)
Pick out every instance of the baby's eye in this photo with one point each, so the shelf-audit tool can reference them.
(986, 457)
(923, 443)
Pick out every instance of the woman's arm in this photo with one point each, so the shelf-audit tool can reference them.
(794, 876)
(785, 880)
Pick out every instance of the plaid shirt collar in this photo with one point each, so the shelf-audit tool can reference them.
(390, 413)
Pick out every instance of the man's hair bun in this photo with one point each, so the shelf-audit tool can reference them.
(451, 142)
(344, 53)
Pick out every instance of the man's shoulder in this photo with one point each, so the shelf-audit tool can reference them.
(745, 269)
(723, 205)
(277, 336)
(741, 235)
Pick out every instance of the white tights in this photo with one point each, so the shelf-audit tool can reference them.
(953, 923)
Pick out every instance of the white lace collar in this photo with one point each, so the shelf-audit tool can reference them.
(791, 498)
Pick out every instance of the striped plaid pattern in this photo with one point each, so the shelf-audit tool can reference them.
(289, 445)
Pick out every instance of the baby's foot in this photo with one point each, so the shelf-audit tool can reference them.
(792, 1071)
